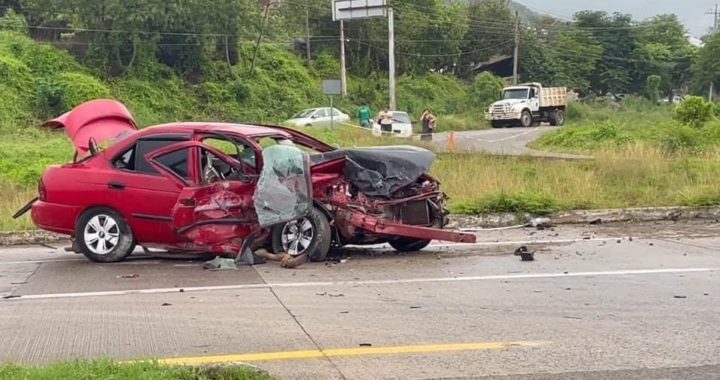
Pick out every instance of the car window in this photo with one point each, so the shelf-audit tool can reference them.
(177, 162)
(126, 160)
(401, 117)
(144, 147)
(336, 112)
(304, 114)
(228, 147)
(133, 158)
(321, 113)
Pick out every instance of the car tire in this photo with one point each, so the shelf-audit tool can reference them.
(409, 245)
(104, 236)
(320, 240)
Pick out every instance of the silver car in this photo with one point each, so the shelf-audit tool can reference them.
(318, 117)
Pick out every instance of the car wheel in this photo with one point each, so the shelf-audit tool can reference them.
(310, 235)
(409, 245)
(104, 236)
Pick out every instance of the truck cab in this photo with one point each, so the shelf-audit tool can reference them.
(527, 105)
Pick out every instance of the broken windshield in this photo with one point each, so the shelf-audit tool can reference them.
(283, 192)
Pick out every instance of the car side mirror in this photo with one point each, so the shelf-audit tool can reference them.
(92, 146)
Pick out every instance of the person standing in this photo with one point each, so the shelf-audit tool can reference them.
(363, 115)
(386, 120)
(428, 125)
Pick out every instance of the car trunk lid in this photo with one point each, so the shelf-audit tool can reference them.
(100, 120)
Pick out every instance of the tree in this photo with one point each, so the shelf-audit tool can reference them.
(706, 66)
(616, 36)
(491, 31)
(662, 49)
(575, 54)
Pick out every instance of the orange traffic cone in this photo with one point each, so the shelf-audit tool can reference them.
(452, 144)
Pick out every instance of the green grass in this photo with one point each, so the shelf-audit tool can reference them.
(601, 127)
(109, 370)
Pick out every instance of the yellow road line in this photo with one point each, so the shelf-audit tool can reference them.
(345, 352)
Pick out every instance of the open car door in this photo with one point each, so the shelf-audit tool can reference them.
(220, 205)
(215, 205)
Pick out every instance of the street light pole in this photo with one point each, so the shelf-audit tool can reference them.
(391, 55)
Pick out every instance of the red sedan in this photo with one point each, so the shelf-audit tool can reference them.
(226, 189)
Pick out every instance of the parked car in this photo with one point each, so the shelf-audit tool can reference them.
(226, 189)
(401, 127)
(318, 117)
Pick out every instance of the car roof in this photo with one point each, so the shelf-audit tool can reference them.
(247, 130)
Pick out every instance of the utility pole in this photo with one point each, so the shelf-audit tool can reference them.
(262, 30)
(391, 55)
(715, 30)
(517, 47)
(307, 31)
(343, 68)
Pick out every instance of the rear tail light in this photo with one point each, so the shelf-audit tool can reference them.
(42, 191)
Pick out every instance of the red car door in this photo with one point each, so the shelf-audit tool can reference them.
(214, 210)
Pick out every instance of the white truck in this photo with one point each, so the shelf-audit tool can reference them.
(528, 104)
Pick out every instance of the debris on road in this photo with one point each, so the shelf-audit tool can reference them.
(365, 344)
(525, 254)
(166, 304)
(680, 297)
(220, 263)
(133, 275)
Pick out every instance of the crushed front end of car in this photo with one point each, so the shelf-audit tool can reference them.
(384, 195)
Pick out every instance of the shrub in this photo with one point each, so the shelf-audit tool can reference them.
(13, 22)
(694, 111)
(577, 111)
(485, 89)
(653, 88)
(67, 90)
(681, 139)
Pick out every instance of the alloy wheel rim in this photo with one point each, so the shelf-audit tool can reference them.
(297, 236)
(101, 234)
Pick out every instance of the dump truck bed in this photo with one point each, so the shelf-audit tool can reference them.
(553, 97)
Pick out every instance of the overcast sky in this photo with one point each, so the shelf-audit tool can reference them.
(690, 12)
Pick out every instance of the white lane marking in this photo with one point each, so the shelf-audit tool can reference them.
(528, 276)
(146, 259)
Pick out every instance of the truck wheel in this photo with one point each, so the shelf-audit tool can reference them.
(558, 118)
(311, 235)
(526, 119)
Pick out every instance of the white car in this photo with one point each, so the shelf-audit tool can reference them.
(318, 117)
(401, 126)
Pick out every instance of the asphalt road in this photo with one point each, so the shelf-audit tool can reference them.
(501, 141)
(595, 304)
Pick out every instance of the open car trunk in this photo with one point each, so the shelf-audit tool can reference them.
(94, 123)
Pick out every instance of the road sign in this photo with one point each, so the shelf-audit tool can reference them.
(331, 87)
(354, 9)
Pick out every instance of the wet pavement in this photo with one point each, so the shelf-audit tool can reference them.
(631, 301)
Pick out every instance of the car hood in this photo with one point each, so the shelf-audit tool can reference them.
(101, 120)
(381, 171)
